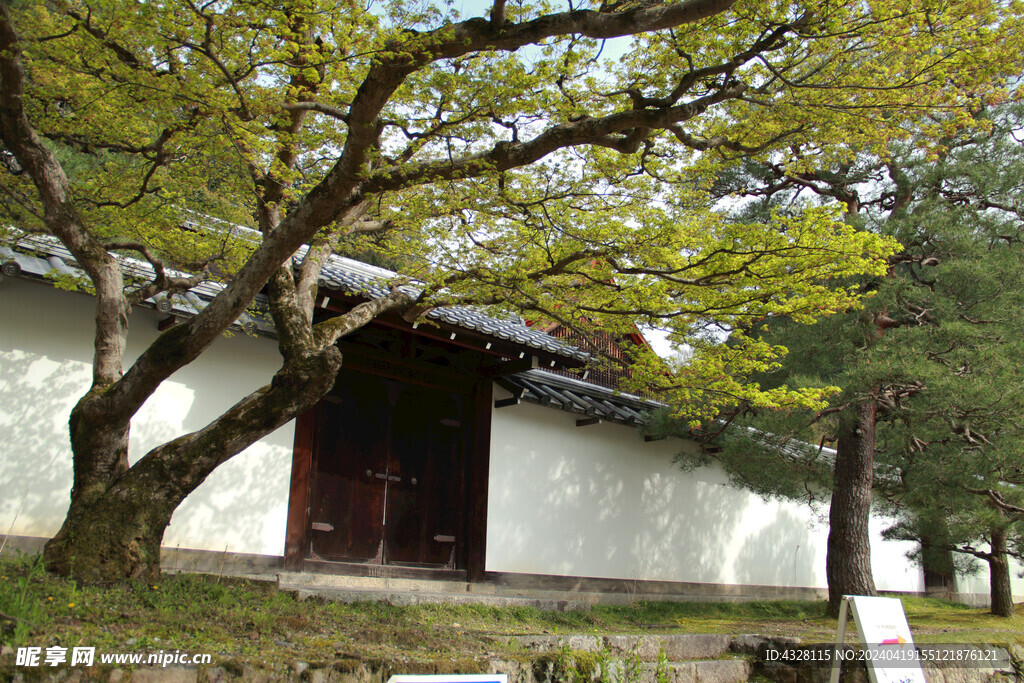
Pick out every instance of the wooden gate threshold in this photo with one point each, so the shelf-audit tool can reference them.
(385, 571)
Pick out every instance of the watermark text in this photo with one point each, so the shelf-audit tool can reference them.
(87, 656)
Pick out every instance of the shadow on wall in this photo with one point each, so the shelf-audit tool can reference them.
(603, 503)
(781, 553)
(45, 366)
(688, 526)
(37, 395)
(242, 505)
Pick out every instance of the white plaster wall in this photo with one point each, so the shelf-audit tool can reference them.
(598, 501)
(974, 587)
(45, 365)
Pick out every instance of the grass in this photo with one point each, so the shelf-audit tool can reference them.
(252, 622)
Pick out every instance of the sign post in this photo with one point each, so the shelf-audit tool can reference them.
(449, 678)
(889, 652)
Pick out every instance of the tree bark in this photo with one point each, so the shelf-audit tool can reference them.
(937, 559)
(939, 577)
(999, 575)
(115, 532)
(848, 561)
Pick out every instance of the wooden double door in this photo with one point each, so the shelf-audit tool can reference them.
(388, 484)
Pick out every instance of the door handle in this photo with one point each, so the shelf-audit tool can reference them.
(387, 477)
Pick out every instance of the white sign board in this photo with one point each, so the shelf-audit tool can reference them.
(450, 678)
(888, 648)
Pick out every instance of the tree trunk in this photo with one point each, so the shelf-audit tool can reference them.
(848, 562)
(999, 575)
(115, 532)
(937, 559)
(115, 537)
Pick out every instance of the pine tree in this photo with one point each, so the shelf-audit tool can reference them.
(929, 372)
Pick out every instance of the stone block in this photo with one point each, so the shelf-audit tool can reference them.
(168, 674)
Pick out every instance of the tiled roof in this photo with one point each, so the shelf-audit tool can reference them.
(578, 396)
(354, 277)
(43, 256)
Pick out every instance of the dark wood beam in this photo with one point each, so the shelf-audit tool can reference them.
(393, 367)
(456, 336)
(479, 474)
(298, 499)
(508, 367)
(586, 422)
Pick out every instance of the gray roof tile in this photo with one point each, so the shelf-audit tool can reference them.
(339, 274)
(578, 396)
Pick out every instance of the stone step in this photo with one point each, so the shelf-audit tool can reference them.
(315, 581)
(612, 670)
(417, 591)
(707, 671)
(676, 647)
(408, 598)
(388, 586)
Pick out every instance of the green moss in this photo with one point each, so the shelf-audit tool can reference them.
(567, 666)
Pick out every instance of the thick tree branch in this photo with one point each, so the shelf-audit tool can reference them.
(321, 249)
(498, 14)
(476, 35)
(331, 330)
(319, 107)
(971, 550)
(292, 319)
(59, 213)
(505, 155)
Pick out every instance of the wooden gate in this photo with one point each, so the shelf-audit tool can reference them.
(388, 484)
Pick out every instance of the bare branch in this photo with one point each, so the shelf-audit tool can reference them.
(88, 146)
(971, 550)
(319, 107)
(126, 56)
(161, 281)
(721, 142)
(498, 14)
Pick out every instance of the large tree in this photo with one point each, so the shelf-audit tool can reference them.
(955, 453)
(957, 449)
(573, 186)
